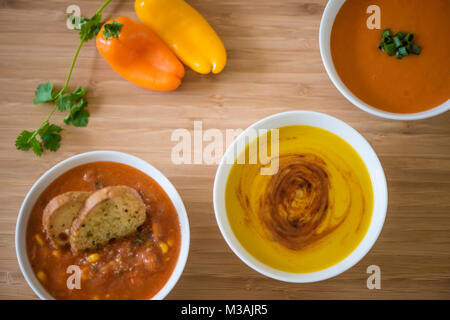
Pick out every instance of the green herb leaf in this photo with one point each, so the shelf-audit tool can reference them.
(49, 134)
(27, 140)
(23, 140)
(78, 93)
(77, 24)
(36, 146)
(73, 20)
(51, 137)
(78, 116)
(44, 93)
(112, 30)
(64, 102)
(90, 27)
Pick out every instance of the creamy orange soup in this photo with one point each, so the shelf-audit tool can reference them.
(413, 84)
(309, 215)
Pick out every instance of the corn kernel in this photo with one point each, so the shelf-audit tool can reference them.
(164, 247)
(93, 257)
(170, 242)
(42, 276)
(39, 239)
(56, 253)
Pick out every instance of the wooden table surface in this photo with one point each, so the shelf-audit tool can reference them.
(274, 65)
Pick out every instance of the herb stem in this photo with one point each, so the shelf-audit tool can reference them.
(66, 85)
(103, 6)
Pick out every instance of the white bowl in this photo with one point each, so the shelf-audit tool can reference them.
(62, 167)
(326, 25)
(366, 153)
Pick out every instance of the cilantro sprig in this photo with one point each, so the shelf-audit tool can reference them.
(112, 30)
(48, 136)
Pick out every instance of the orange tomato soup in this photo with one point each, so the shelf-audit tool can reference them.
(413, 84)
(133, 267)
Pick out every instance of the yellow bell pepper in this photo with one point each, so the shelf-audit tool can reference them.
(186, 32)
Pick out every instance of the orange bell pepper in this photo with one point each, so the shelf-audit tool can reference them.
(140, 56)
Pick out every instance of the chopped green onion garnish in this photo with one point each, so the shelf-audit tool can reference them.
(400, 45)
(415, 49)
(389, 48)
(403, 51)
(397, 42)
(400, 35)
(409, 37)
(386, 33)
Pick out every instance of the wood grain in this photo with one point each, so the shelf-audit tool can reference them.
(274, 65)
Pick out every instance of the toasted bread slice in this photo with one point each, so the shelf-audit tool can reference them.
(108, 213)
(59, 214)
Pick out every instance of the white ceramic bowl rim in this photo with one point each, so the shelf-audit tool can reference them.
(93, 156)
(326, 24)
(361, 146)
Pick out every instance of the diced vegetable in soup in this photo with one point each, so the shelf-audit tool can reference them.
(135, 266)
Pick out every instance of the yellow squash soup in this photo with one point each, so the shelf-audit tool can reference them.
(413, 84)
(309, 215)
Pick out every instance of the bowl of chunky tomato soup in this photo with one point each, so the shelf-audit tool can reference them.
(144, 263)
(399, 71)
